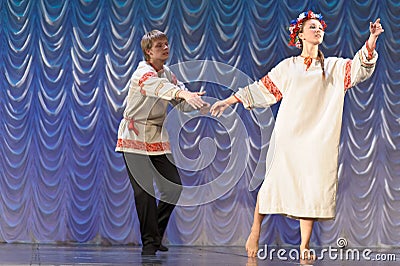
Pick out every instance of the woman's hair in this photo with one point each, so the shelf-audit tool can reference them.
(320, 56)
(321, 59)
(148, 39)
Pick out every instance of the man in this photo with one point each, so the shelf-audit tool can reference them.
(145, 143)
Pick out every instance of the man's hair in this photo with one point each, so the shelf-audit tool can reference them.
(149, 38)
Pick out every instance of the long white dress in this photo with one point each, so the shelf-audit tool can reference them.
(302, 161)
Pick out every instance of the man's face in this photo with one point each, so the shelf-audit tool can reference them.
(159, 50)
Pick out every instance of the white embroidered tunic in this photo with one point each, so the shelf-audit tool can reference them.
(141, 129)
(302, 161)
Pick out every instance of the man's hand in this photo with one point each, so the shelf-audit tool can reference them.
(193, 98)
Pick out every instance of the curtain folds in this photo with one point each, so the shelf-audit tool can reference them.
(65, 69)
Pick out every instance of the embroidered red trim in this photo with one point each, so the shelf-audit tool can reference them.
(237, 98)
(174, 79)
(146, 77)
(143, 146)
(271, 88)
(370, 50)
(365, 64)
(347, 76)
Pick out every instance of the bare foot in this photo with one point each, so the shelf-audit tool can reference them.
(307, 256)
(252, 244)
(307, 262)
(251, 262)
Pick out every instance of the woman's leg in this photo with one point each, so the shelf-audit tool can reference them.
(252, 240)
(306, 226)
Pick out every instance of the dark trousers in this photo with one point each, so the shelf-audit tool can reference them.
(142, 171)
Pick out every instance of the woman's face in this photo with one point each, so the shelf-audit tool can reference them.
(313, 32)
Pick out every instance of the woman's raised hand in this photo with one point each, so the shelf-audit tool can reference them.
(376, 28)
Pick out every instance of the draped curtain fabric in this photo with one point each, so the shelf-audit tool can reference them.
(65, 68)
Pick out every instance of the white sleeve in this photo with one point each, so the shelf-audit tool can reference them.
(264, 92)
(362, 66)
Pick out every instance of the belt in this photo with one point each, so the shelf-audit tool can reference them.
(132, 126)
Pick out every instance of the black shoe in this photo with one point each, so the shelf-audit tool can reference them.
(162, 248)
(149, 250)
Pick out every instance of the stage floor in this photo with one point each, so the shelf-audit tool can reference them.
(46, 254)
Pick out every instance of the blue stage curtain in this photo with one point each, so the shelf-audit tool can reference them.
(65, 68)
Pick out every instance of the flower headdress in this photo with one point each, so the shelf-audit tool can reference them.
(295, 25)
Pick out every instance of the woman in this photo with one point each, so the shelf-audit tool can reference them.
(301, 180)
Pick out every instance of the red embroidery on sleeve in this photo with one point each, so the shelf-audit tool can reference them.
(271, 88)
(174, 79)
(370, 50)
(146, 77)
(237, 98)
(347, 76)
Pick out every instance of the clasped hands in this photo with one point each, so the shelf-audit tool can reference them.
(194, 100)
